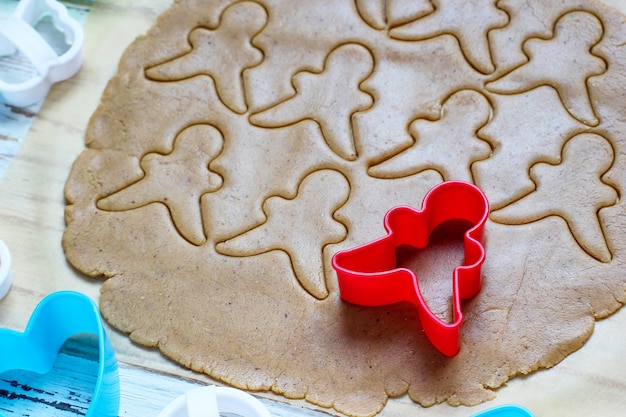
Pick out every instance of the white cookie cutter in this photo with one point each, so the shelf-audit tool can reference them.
(5, 269)
(17, 33)
(210, 401)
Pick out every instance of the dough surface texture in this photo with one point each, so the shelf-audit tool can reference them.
(243, 143)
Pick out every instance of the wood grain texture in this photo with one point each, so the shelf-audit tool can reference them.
(66, 390)
(590, 382)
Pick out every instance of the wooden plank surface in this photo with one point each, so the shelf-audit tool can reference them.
(66, 391)
(590, 382)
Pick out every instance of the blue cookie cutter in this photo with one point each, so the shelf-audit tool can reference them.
(505, 411)
(58, 317)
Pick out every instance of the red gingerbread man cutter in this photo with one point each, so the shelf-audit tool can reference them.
(368, 275)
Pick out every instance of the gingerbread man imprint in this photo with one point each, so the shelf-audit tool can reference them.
(177, 180)
(223, 53)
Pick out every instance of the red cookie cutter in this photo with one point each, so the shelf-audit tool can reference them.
(368, 275)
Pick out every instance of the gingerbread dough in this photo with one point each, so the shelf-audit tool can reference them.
(242, 143)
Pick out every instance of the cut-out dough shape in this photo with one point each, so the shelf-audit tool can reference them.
(329, 98)
(564, 62)
(287, 224)
(469, 21)
(177, 180)
(525, 129)
(229, 51)
(448, 145)
(586, 158)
